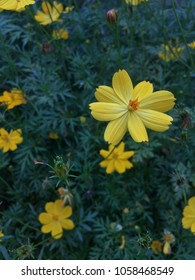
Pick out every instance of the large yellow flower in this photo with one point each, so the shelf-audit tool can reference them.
(15, 4)
(132, 109)
(9, 141)
(55, 218)
(116, 159)
(135, 2)
(13, 98)
(50, 13)
(188, 220)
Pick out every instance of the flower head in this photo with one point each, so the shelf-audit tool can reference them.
(13, 98)
(156, 246)
(169, 238)
(116, 159)
(135, 2)
(15, 4)
(112, 16)
(188, 220)
(55, 219)
(60, 34)
(192, 45)
(132, 109)
(9, 141)
(170, 53)
(50, 13)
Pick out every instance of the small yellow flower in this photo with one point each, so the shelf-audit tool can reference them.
(132, 109)
(192, 45)
(50, 13)
(82, 119)
(135, 2)
(68, 9)
(188, 220)
(60, 34)
(15, 4)
(169, 238)
(1, 235)
(53, 135)
(116, 159)
(170, 53)
(156, 246)
(9, 141)
(54, 220)
(13, 98)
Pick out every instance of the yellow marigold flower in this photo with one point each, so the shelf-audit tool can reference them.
(9, 141)
(156, 246)
(53, 136)
(50, 13)
(132, 109)
(116, 159)
(60, 34)
(15, 4)
(135, 2)
(169, 239)
(170, 53)
(188, 220)
(13, 98)
(55, 218)
(68, 9)
(192, 45)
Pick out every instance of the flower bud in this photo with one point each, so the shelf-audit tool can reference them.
(112, 16)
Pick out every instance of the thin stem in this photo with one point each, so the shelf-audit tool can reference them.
(116, 34)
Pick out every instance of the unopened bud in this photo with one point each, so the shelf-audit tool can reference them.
(112, 16)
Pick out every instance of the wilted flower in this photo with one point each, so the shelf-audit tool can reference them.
(55, 219)
(112, 16)
(13, 98)
(156, 246)
(15, 4)
(9, 141)
(170, 53)
(132, 109)
(188, 220)
(60, 34)
(169, 238)
(50, 13)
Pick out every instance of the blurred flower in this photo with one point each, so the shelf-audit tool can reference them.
(53, 136)
(50, 13)
(188, 220)
(132, 109)
(169, 238)
(170, 53)
(60, 34)
(112, 16)
(65, 195)
(13, 98)
(192, 45)
(1, 235)
(82, 119)
(135, 2)
(156, 246)
(15, 4)
(126, 210)
(116, 159)
(115, 227)
(55, 218)
(68, 9)
(9, 141)
(123, 241)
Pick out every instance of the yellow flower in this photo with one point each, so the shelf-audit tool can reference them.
(60, 34)
(68, 9)
(132, 109)
(15, 4)
(169, 239)
(188, 220)
(50, 13)
(170, 53)
(116, 159)
(156, 246)
(13, 98)
(82, 119)
(9, 141)
(55, 218)
(135, 2)
(53, 136)
(1, 235)
(192, 45)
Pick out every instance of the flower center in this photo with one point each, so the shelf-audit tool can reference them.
(133, 105)
(168, 238)
(55, 217)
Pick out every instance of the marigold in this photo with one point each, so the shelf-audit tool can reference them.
(50, 13)
(132, 109)
(9, 141)
(15, 4)
(54, 220)
(13, 98)
(135, 2)
(116, 159)
(170, 53)
(60, 34)
(188, 220)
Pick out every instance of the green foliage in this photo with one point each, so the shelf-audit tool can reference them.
(59, 78)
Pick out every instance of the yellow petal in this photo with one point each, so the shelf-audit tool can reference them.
(116, 129)
(126, 155)
(193, 228)
(119, 166)
(161, 101)
(67, 211)
(154, 120)
(122, 85)
(187, 222)
(128, 164)
(45, 218)
(104, 153)
(142, 90)
(167, 248)
(189, 211)
(136, 128)
(46, 228)
(110, 167)
(46, 7)
(49, 207)
(191, 202)
(107, 111)
(104, 163)
(67, 224)
(56, 230)
(107, 94)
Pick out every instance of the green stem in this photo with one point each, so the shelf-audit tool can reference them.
(116, 34)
